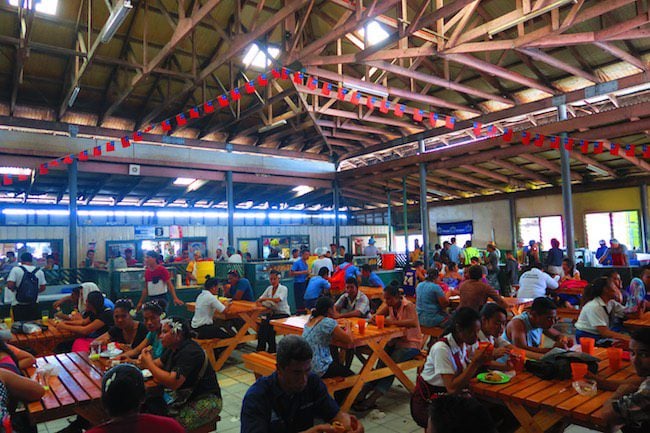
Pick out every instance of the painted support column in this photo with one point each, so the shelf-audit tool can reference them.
(424, 211)
(645, 221)
(405, 214)
(567, 194)
(389, 220)
(230, 198)
(337, 221)
(72, 208)
(513, 225)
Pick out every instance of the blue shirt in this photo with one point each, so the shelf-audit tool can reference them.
(375, 281)
(269, 409)
(351, 271)
(300, 265)
(316, 287)
(244, 285)
(427, 306)
(454, 252)
(554, 257)
(409, 282)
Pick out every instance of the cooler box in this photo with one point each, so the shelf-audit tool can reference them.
(388, 261)
(203, 269)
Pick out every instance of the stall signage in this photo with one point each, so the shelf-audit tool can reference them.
(144, 232)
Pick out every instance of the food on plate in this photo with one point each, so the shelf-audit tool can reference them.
(493, 376)
(338, 427)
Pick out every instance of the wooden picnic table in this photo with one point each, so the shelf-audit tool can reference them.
(642, 322)
(515, 305)
(540, 404)
(248, 312)
(376, 339)
(43, 343)
(372, 292)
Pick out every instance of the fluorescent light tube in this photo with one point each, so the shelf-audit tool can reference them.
(597, 170)
(115, 20)
(272, 126)
(370, 90)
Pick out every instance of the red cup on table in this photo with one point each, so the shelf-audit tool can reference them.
(587, 345)
(485, 345)
(361, 323)
(518, 359)
(615, 355)
(578, 370)
(379, 320)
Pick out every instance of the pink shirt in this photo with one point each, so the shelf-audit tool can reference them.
(406, 311)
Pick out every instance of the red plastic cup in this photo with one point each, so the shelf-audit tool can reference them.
(485, 345)
(578, 370)
(518, 359)
(587, 345)
(615, 355)
(379, 320)
(361, 323)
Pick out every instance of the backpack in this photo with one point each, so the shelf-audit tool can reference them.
(27, 291)
(557, 365)
(337, 281)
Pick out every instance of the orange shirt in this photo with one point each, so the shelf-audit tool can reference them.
(406, 311)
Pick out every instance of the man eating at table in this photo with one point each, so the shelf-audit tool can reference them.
(352, 303)
(525, 330)
(292, 398)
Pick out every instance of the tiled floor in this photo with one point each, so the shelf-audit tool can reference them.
(234, 380)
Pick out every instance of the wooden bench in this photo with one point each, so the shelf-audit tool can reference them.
(264, 364)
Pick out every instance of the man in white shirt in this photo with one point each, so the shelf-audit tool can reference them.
(275, 298)
(25, 301)
(533, 283)
(322, 262)
(206, 305)
(233, 256)
(371, 250)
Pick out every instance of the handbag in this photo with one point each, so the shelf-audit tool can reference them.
(421, 399)
(177, 399)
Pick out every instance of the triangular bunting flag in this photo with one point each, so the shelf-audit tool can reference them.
(525, 137)
(507, 135)
(284, 74)
(297, 77)
(223, 100)
(54, 163)
(555, 142)
(110, 146)
(539, 140)
(181, 120)
(326, 89)
(97, 151)
(208, 107)
(312, 83)
(6, 179)
(355, 98)
(399, 110)
(137, 136)
(194, 113)
(67, 159)
(568, 144)
(630, 150)
(584, 146)
(165, 125)
(450, 122)
(235, 94)
(42, 169)
(477, 128)
(340, 95)
(614, 148)
(433, 119)
(125, 142)
(418, 115)
(83, 155)
(275, 73)
(249, 87)
(385, 106)
(262, 80)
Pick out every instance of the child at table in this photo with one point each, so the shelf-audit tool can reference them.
(206, 305)
(630, 404)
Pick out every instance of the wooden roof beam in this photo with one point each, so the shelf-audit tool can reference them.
(401, 93)
(623, 55)
(237, 45)
(356, 137)
(558, 64)
(578, 156)
(495, 175)
(388, 54)
(549, 165)
(355, 127)
(25, 20)
(434, 190)
(476, 181)
(369, 118)
(528, 174)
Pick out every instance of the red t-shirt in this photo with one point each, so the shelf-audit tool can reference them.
(143, 423)
(156, 280)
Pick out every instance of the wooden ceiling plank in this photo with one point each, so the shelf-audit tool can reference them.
(623, 55)
(528, 174)
(558, 64)
(494, 175)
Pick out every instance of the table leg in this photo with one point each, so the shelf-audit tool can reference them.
(365, 371)
(249, 323)
(541, 422)
(390, 363)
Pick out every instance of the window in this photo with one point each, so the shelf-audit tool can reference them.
(542, 229)
(460, 239)
(44, 6)
(624, 226)
(376, 33)
(399, 242)
(257, 58)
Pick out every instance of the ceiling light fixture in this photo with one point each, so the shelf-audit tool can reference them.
(73, 97)
(272, 126)
(184, 181)
(115, 20)
(366, 89)
(597, 170)
(528, 16)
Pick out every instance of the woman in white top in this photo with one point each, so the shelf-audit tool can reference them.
(275, 299)
(448, 368)
(597, 316)
(206, 305)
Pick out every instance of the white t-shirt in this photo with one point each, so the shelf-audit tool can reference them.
(235, 258)
(16, 275)
(533, 284)
(370, 251)
(596, 313)
(441, 361)
(325, 262)
(497, 342)
(282, 292)
(206, 305)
